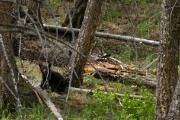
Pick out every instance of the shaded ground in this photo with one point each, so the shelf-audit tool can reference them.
(36, 50)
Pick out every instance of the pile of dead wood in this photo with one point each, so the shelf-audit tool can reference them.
(114, 70)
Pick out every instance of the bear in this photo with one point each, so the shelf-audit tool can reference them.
(53, 79)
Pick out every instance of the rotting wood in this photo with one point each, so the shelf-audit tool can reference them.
(122, 74)
(104, 35)
(139, 80)
(136, 79)
(107, 67)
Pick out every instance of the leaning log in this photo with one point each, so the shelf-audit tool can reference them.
(104, 35)
(48, 102)
(43, 95)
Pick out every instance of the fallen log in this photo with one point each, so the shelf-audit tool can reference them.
(140, 81)
(118, 75)
(115, 72)
(104, 35)
(92, 91)
(46, 99)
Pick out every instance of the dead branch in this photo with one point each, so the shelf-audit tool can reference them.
(104, 35)
(46, 100)
(92, 91)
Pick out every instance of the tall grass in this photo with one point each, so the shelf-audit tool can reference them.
(36, 112)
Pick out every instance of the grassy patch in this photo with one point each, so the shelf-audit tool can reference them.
(37, 112)
(103, 107)
(56, 7)
(91, 82)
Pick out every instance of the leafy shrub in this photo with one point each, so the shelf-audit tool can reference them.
(107, 107)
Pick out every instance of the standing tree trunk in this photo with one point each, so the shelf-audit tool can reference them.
(174, 110)
(1, 86)
(77, 14)
(85, 40)
(168, 57)
(9, 71)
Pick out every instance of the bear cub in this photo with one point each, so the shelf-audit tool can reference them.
(54, 79)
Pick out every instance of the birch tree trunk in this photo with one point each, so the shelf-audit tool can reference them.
(85, 40)
(168, 57)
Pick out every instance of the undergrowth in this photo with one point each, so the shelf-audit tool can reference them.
(102, 106)
(99, 106)
(36, 112)
(110, 107)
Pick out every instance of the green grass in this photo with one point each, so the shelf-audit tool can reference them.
(56, 7)
(36, 112)
(105, 107)
(145, 18)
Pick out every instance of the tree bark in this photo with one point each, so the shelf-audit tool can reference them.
(77, 14)
(85, 40)
(1, 86)
(174, 110)
(168, 57)
(9, 72)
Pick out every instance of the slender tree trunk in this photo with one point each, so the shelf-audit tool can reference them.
(85, 40)
(12, 78)
(168, 57)
(5, 18)
(77, 14)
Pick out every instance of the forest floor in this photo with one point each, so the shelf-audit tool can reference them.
(139, 21)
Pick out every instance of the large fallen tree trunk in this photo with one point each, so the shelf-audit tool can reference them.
(104, 35)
